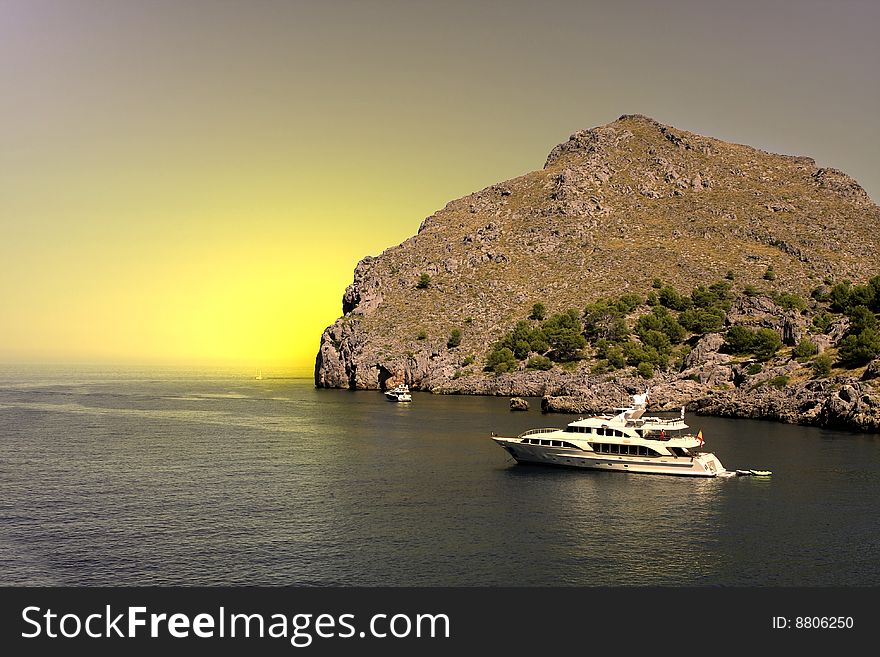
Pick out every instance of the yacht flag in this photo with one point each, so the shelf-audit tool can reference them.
(700, 437)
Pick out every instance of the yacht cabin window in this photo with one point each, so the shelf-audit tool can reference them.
(629, 450)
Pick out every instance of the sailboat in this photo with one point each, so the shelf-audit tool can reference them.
(259, 376)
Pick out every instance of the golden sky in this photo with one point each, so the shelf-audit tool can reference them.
(193, 182)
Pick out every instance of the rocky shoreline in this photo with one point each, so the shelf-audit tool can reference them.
(711, 383)
(836, 403)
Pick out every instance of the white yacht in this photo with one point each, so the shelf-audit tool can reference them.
(626, 442)
(399, 394)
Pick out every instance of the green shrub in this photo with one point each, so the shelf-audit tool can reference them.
(822, 366)
(468, 360)
(766, 343)
(805, 348)
(564, 335)
(770, 275)
(603, 320)
(723, 289)
(501, 360)
(424, 282)
(454, 339)
(657, 340)
(742, 340)
(522, 339)
(751, 291)
(702, 320)
(822, 321)
(611, 352)
(601, 348)
(423, 335)
(616, 358)
(754, 368)
(645, 370)
(857, 350)
(538, 311)
(861, 318)
(730, 275)
(702, 298)
(670, 298)
(739, 340)
(862, 342)
(717, 294)
(788, 301)
(636, 353)
(626, 303)
(540, 363)
(600, 367)
(839, 296)
(659, 319)
(778, 382)
(652, 299)
(657, 284)
(874, 284)
(866, 295)
(538, 341)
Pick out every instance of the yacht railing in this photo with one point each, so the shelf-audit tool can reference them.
(661, 420)
(532, 431)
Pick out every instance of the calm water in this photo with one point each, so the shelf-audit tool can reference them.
(138, 479)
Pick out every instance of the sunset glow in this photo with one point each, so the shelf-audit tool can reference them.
(195, 182)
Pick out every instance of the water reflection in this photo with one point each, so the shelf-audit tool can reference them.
(204, 481)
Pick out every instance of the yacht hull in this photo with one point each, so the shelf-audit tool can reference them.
(701, 465)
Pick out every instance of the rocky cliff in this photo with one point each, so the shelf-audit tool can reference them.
(613, 209)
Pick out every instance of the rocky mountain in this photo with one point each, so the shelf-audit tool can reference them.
(613, 209)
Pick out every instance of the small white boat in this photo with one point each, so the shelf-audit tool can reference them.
(626, 442)
(398, 394)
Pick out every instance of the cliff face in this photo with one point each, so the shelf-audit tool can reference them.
(613, 208)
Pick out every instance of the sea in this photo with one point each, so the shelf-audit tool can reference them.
(172, 477)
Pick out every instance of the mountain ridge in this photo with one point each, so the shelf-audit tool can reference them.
(613, 208)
